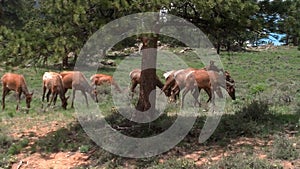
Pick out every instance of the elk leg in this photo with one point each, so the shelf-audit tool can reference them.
(185, 91)
(196, 95)
(48, 95)
(133, 86)
(5, 91)
(18, 99)
(51, 100)
(73, 97)
(44, 92)
(85, 96)
(210, 92)
(219, 92)
(209, 95)
(175, 92)
(55, 98)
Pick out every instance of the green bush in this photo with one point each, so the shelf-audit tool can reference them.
(16, 148)
(256, 110)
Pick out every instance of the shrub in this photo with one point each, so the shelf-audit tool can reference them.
(257, 110)
(16, 148)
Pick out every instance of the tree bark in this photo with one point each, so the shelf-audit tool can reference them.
(295, 40)
(148, 84)
(65, 61)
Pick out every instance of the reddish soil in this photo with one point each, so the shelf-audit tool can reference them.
(201, 155)
(37, 160)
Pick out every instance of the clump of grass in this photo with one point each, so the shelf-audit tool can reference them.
(84, 148)
(258, 88)
(5, 159)
(175, 163)
(16, 148)
(243, 161)
(5, 142)
(283, 149)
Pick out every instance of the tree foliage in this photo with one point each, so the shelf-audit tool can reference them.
(49, 30)
(281, 16)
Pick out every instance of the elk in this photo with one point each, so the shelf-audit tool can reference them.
(53, 82)
(15, 82)
(210, 81)
(75, 80)
(101, 79)
(175, 80)
(135, 76)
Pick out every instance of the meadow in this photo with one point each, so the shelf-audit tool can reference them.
(259, 130)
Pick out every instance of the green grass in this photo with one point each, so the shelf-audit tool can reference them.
(240, 160)
(268, 96)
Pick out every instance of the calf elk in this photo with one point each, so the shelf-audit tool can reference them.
(53, 82)
(101, 79)
(15, 82)
(75, 80)
(135, 76)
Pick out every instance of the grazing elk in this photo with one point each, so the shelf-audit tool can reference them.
(53, 82)
(101, 79)
(16, 82)
(175, 80)
(135, 76)
(210, 81)
(75, 80)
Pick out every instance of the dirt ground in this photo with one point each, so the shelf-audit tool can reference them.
(201, 155)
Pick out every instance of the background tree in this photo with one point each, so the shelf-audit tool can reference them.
(224, 21)
(281, 16)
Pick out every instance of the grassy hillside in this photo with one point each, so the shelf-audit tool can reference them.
(261, 126)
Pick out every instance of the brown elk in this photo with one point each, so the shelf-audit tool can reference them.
(15, 82)
(210, 81)
(135, 76)
(101, 79)
(175, 80)
(75, 80)
(53, 82)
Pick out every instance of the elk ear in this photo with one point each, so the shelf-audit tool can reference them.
(32, 92)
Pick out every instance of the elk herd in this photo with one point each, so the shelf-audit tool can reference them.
(55, 84)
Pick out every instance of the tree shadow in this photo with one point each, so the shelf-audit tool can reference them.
(255, 120)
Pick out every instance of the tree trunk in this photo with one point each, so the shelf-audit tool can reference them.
(295, 41)
(148, 84)
(218, 47)
(65, 61)
(287, 39)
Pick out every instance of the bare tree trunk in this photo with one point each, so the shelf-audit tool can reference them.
(295, 41)
(218, 47)
(287, 39)
(65, 61)
(148, 84)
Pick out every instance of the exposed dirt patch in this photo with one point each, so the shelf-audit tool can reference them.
(41, 160)
(60, 160)
(199, 153)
